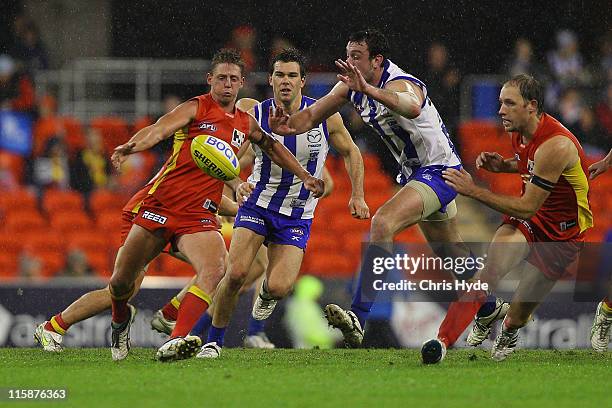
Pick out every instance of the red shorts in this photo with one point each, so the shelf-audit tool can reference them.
(157, 219)
(555, 259)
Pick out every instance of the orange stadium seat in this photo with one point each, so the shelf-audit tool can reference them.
(115, 131)
(70, 221)
(74, 134)
(36, 242)
(62, 200)
(52, 262)
(25, 219)
(100, 263)
(13, 163)
(17, 200)
(8, 265)
(102, 200)
(10, 243)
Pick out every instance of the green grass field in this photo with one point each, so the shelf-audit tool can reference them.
(314, 378)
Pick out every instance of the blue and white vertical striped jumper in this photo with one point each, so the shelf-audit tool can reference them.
(280, 190)
(419, 142)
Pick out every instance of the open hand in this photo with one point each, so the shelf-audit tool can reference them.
(121, 153)
(351, 76)
(278, 121)
(461, 181)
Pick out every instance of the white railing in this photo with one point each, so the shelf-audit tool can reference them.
(89, 87)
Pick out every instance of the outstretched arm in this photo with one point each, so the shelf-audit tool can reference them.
(401, 96)
(601, 166)
(151, 135)
(306, 119)
(551, 158)
(279, 154)
(341, 140)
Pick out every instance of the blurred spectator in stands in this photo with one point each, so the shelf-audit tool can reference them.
(77, 265)
(28, 47)
(244, 39)
(278, 45)
(523, 61)
(442, 81)
(30, 267)
(16, 88)
(90, 169)
(604, 111)
(51, 169)
(570, 107)
(566, 66)
(603, 69)
(163, 148)
(590, 133)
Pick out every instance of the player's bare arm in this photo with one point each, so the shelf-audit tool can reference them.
(401, 96)
(151, 135)
(551, 159)
(341, 140)
(227, 207)
(306, 119)
(279, 154)
(495, 163)
(329, 183)
(601, 166)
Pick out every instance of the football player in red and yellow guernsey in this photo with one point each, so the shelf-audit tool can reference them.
(180, 204)
(545, 226)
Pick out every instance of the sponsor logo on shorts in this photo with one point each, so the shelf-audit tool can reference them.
(208, 126)
(525, 224)
(427, 177)
(297, 231)
(248, 218)
(160, 219)
(206, 221)
(294, 238)
(297, 203)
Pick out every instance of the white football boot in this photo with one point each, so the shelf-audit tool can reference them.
(161, 324)
(49, 340)
(120, 336)
(209, 350)
(258, 341)
(483, 324)
(264, 305)
(179, 348)
(504, 344)
(347, 322)
(600, 332)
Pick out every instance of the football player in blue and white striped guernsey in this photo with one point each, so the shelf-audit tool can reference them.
(396, 105)
(275, 209)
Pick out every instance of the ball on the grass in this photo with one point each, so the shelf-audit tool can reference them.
(215, 157)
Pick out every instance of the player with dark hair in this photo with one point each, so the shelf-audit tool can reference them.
(276, 210)
(545, 226)
(396, 105)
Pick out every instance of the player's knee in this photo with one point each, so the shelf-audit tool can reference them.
(381, 229)
(278, 289)
(119, 285)
(237, 276)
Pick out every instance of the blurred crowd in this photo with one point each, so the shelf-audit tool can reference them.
(69, 155)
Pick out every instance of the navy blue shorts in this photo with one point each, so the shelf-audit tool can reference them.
(276, 228)
(432, 176)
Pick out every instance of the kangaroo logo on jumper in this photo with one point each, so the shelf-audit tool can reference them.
(224, 148)
(314, 136)
(237, 138)
(208, 126)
